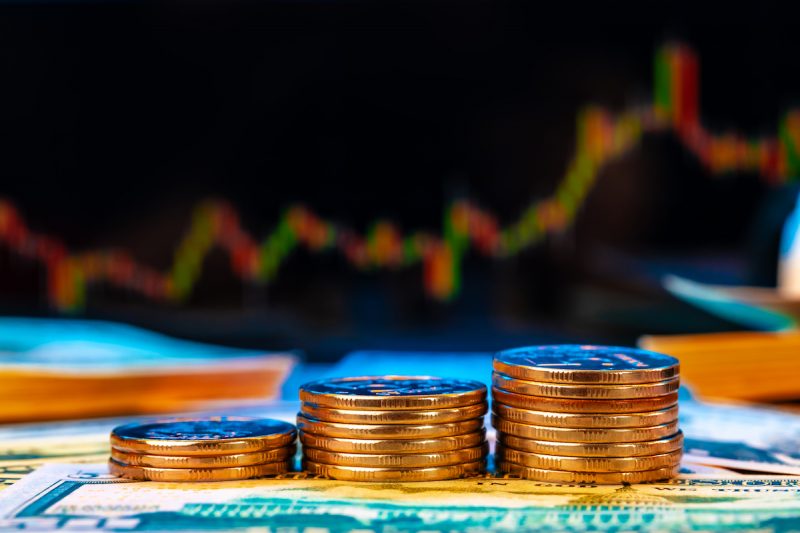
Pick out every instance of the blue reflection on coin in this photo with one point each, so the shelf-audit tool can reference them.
(381, 386)
(212, 428)
(585, 357)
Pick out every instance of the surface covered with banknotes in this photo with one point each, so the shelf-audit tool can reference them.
(85, 496)
(70, 487)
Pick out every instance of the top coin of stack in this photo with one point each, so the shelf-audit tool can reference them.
(586, 414)
(393, 428)
(220, 448)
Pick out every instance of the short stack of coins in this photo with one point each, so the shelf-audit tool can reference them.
(586, 414)
(221, 448)
(393, 428)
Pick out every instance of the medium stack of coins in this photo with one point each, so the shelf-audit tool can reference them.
(586, 414)
(202, 449)
(393, 428)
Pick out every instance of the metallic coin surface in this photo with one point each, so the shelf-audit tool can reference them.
(586, 420)
(592, 435)
(394, 446)
(600, 392)
(429, 416)
(197, 474)
(387, 431)
(358, 473)
(198, 461)
(406, 460)
(393, 392)
(203, 436)
(593, 449)
(572, 405)
(572, 363)
(588, 464)
(600, 478)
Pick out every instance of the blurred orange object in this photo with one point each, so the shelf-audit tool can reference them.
(60, 368)
(747, 365)
(36, 395)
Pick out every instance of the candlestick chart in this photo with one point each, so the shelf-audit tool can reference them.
(601, 137)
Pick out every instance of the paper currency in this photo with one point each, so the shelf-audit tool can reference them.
(85, 496)
(742, 437)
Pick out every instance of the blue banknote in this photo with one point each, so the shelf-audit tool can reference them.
(742, 437)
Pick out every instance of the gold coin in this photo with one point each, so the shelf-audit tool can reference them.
(604, 392)
(571, 405)
(145, 473)
(596, 420)
(393, 392)
(394, 446)
(593, 449)
(387, 431)
(406, 460)
(584, 434)
(359, 473)
(197, 461)
(434, 416)
(588, 464)
(569, 363)
(599, 478)
(218, 435)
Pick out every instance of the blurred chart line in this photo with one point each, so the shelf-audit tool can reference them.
(602, 136)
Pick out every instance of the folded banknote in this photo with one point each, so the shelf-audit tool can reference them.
(744, 437)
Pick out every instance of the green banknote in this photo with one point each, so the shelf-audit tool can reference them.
(23, 450)
(87, 497)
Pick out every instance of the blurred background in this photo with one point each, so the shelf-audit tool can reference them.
(325, 176)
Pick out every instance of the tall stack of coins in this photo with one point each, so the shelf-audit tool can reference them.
(202, 449)
(586, 414)
(393, 428)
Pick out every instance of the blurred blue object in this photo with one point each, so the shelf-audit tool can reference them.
(464, 365)
(753, 307)
(100, 344)
(461, 365)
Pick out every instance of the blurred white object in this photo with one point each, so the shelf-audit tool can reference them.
(789, 259)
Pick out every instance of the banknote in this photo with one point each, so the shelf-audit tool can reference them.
(87, 497)
(742, 437)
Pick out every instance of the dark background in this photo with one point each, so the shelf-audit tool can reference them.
(117, 118)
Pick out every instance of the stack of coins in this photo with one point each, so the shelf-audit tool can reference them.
(393, 428)
(586, 414)
(202, 449)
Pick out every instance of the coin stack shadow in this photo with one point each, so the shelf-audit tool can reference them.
(393, 428)
(203, 449)
(590, 425)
